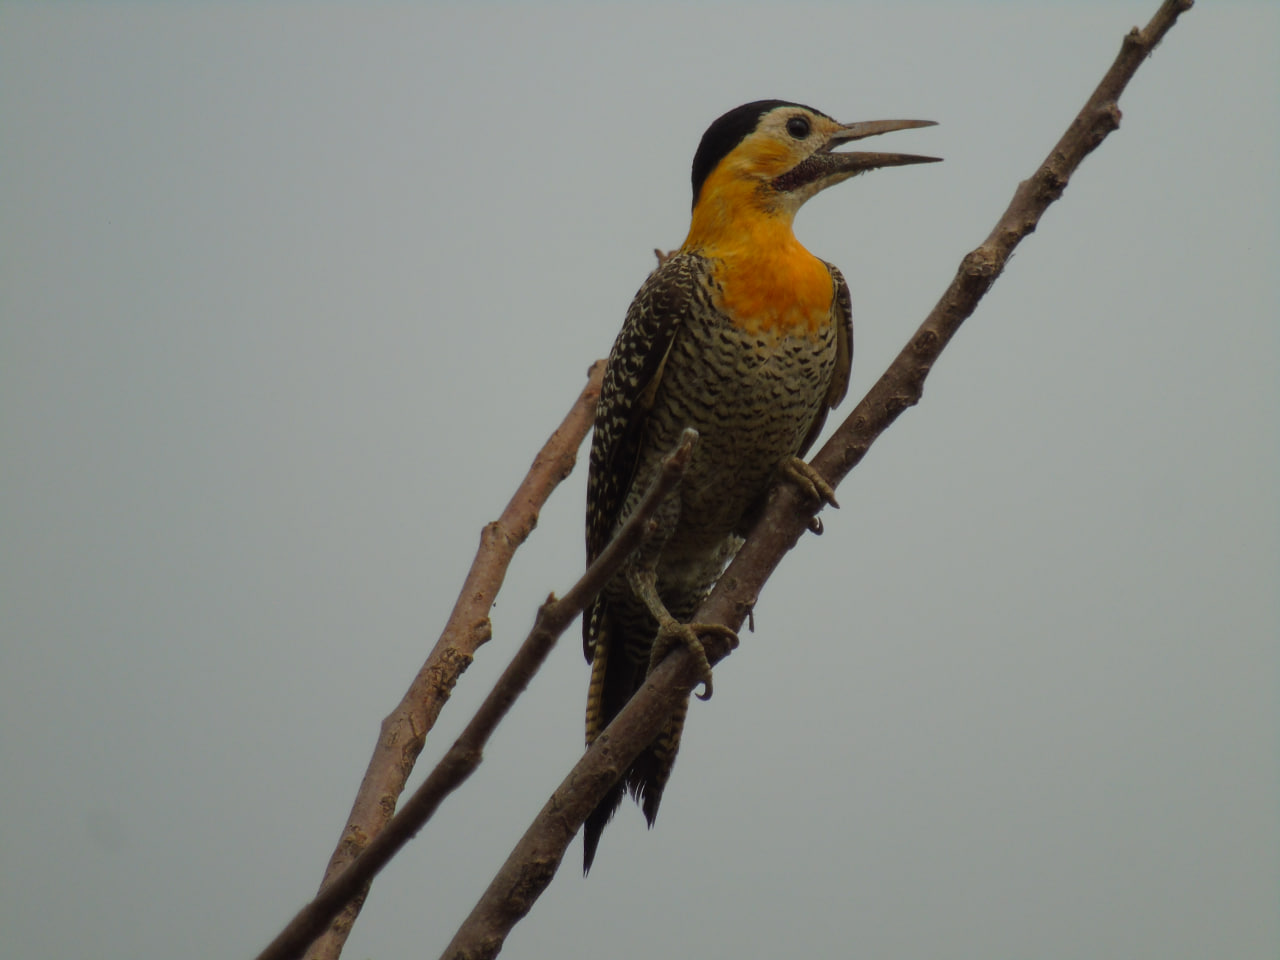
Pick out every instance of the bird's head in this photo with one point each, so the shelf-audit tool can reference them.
(770, 156)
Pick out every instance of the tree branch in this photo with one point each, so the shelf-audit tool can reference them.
(553, 618)
(404, 731)
(537, 855)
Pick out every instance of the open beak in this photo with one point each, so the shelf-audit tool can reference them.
(859, 161)
(825, 168)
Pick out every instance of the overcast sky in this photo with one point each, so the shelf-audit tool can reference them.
(291, 295)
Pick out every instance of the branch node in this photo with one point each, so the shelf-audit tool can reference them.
(443, 675)
(926, 342)
(1051, 184)
(980, 264)
(1109, 115)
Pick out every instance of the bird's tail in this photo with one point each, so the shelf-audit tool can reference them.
(612, 685)
(601, 708)
(648, 775)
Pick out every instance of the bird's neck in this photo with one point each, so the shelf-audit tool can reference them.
(768, 281)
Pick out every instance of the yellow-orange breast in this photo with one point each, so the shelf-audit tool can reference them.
(775, 291)
(767, 282)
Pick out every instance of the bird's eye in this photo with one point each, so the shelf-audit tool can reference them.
(798, 127)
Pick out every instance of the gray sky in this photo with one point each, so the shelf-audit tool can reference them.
(291, 296)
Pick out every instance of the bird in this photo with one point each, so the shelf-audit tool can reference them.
(746, 337)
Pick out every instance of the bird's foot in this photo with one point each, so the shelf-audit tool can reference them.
(812, 484)
(689, 634)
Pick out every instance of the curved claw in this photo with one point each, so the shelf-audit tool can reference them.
(811, 483)
(687, 634)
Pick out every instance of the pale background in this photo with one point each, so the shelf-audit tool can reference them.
(291, 296)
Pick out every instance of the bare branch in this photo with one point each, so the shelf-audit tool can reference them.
(537, 856)
(404, 731)
(464, 756)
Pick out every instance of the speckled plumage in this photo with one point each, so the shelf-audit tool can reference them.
(745, 336)
(756, 399)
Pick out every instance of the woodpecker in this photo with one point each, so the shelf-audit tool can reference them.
(745, 336)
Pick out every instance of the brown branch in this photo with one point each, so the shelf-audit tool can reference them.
(404, 731)
(464, 756)
(537, 855)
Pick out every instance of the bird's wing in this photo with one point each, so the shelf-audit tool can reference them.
(842, 317)
(631, 382)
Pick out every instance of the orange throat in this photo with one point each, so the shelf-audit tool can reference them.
(768, 283)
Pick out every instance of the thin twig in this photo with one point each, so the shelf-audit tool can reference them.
(464, 756)
(404, 731)
(537, 855)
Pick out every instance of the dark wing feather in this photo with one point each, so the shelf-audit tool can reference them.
(631, 380)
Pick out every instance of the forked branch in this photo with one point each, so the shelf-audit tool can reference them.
(404, 730)
(554, 617)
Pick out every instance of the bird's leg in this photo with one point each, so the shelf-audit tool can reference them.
(671, 631)
(812, 484)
